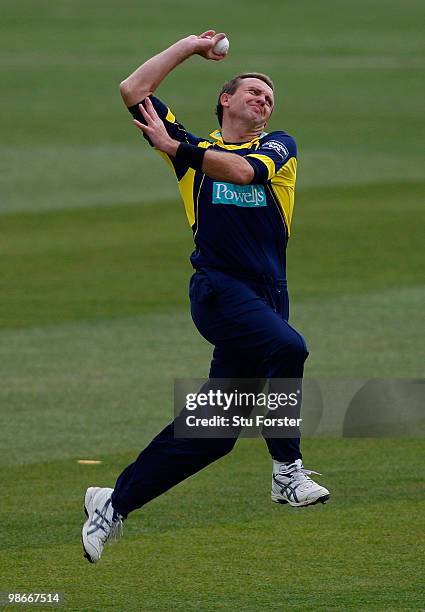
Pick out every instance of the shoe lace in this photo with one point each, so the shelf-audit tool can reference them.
(296, 472)
(117, 529)
(115, 532)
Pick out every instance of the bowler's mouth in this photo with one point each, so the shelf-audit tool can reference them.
(259, 109)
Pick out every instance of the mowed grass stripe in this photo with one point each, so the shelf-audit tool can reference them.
(341, 91)
(353, 569)
(82, 176)
(349, 549)
(61, 176)
(124, 260)
(61, 381)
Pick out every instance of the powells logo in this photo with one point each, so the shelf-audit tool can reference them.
(280, 148)
(249, 196)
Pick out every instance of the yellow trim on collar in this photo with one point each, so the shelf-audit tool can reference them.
(216, 134)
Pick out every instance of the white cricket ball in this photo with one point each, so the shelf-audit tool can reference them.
(222, 46)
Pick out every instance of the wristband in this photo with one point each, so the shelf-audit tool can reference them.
(191, 155)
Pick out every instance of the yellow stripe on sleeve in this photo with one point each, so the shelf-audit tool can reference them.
(283, 187)
(186, 188)
(186, 192)
(269, 163)
(170, 117)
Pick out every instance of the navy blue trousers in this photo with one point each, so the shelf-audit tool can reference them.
(247, 322)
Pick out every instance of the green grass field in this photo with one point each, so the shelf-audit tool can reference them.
(94, 315)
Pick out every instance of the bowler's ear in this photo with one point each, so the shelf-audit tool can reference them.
(224, 99)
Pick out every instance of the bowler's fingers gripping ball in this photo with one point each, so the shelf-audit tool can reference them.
(221, 47)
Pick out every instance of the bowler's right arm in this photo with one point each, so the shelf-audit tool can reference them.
(145, 80)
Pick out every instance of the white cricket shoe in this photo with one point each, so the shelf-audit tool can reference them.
(291, 485)
(103, 524)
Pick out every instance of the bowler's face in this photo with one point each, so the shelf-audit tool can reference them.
(253, 101)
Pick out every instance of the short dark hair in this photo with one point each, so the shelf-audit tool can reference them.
(231, 86)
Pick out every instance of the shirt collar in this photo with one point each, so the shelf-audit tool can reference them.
(216, 134)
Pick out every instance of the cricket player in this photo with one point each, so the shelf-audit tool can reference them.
(238, 192)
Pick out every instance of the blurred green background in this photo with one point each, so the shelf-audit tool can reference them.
(94, 313)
